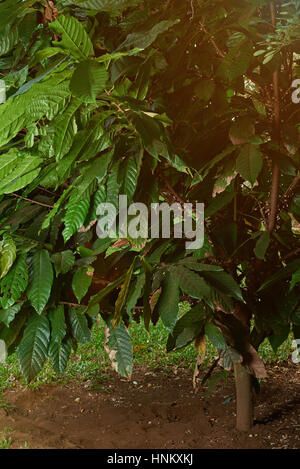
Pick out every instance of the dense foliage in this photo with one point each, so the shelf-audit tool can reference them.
(182, 101)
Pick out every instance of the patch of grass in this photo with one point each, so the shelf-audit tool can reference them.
(6, 439)
(91, 362)
(282, 354)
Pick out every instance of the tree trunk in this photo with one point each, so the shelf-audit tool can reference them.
(244, 399)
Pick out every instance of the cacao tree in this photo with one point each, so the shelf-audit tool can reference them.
(186, 102)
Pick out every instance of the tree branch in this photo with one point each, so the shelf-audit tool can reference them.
(276, 133)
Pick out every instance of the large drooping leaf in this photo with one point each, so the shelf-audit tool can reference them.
(8, 315)
(79, 325)
(191, 283)
(121, 300)
(168, 301)
(43, 99)
(92, 174)
(76, 213)
(283, 273)
(33, 348)
(60, 346)
(12, 333)
(236, 62)
(8, 39)
(60, 354)
(15, 282)
(17, 170)
(262, 245)
(58, 324)
(65, 129)
(295, 279)
(135, 291)
(193, 264)
(144, 39)
(249, 162)
(63, 261)
(75, 39)
(119, 349)
(215, 336)
(88, 80)
(7, 254)
(112, 7)
(40, 280)
(219, 202)
(81, 281)
(129, 175)
(225, 283)
(187, 328)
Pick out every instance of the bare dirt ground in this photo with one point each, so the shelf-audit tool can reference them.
(152, 411)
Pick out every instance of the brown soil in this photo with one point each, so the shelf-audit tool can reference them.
(153, 410)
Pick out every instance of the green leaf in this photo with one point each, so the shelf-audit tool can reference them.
(58, 324)
(237, 61)
(144, 39)
(63, 261)
(193, 264)
(119, 349)
(88, 80)
(215, 336)
(296, 317)
(224, 283)
(60, 347)
(283, 273)
(262, 245)
(17, 169)
(60, 353)
(122, 297)
(135, 292)
(81, 281)
(7, 254)
(8, 39)
(191, 283)
(15, 282)
(219, 202)
(79, 325)
(43, 99)
(168, 301)
(8, 315)
(242, 130)
(114, 8)
(65, 129)
(295, 279)
(205, 89)
(40, 280)
(279, 336)
(249, 162)
(129, 174)
(76, 213)
(92, 174)
(74, 37)
(33, 348)
(187, 328)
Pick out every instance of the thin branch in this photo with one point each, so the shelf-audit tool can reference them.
(291, 254)
(32, 201)
(292, 188)
(212, 41)
(276, 131)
